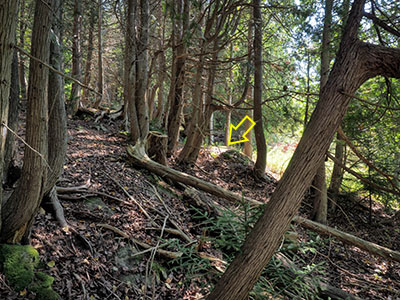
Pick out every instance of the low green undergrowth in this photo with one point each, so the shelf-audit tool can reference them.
(223, 237)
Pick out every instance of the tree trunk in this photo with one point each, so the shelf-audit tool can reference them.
(355, 63)
(337, 173)
(57, 132)
(320, 209)
(320, 197)
(12, 117)
(8, 20)
(142, 112)
(22, 30)
(178, 73)
(76, 58)
(229, 89)
(248, 146)
(99, 56)
(185, 155)
(261, 160)
(19, 211)
(88, 65)
(130, 64)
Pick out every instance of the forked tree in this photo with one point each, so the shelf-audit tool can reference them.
(355, 63)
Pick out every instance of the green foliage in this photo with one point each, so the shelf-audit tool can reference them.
(18, 263)
(42, 287)
(227, 234)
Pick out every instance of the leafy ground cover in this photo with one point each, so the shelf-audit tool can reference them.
(118, 207)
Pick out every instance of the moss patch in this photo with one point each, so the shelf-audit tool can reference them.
(18, 263)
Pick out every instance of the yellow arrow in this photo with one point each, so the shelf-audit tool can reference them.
(245, 139)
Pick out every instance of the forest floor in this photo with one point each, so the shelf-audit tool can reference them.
(119, 203)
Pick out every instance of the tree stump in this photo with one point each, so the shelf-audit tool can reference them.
(157, 147)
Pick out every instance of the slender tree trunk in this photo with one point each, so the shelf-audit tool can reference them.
(12, 116)
(138, 108)
(337, 173)
(320, 209)
(261, 160)
(185, 154)
(22, 30)
(130, 66)
(76, 58)
(198, 133)
(356, 62)
(57, 132)
(88, 65)
(19, 211)
(8, 20)
(178, 69)
(229, 92)
(248, 146)
(100, 84)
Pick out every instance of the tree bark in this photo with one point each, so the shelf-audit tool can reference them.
(261, 160)
(320, 194)
(75, 98)
(140, 121)
(178, 73)
(8, 20)
(355, 63)
(248, 146)
(88, 64)
(100, 84)
(337, 173)
(57, 132)
(13, 111)
(22, 30)
(130, 65)
(19, 211)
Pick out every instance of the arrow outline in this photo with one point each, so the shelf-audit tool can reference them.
(245, 139)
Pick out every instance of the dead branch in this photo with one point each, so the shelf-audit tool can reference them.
(355, 174)
(348, 238)
(366, 161)
(168, 254)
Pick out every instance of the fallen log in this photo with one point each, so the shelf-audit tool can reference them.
(143, 161)
(348, 238)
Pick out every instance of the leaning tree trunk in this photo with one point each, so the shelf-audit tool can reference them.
(355, 63)
(261, 160)
(8, 21)
(320, 194)
(19, 211)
